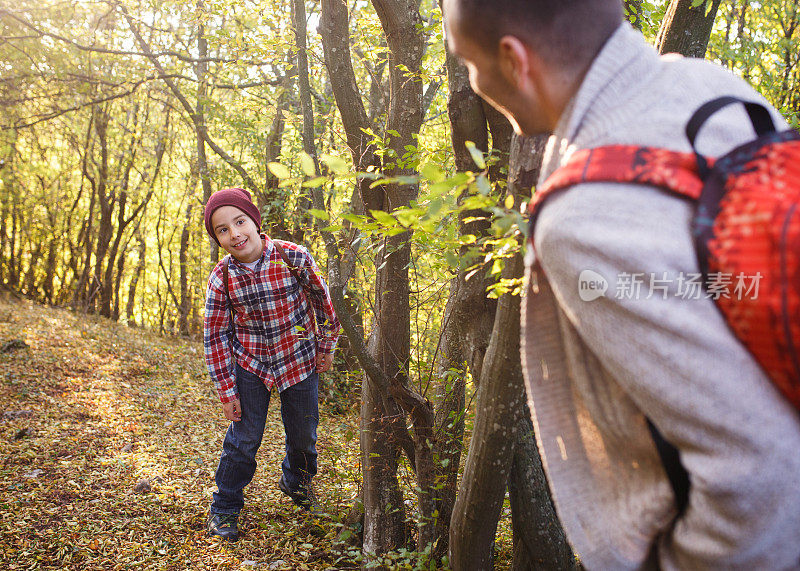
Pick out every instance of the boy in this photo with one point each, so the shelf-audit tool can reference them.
(259, 335)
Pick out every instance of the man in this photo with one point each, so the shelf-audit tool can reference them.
(600, 373)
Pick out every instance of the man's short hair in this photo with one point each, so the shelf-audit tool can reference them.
(565, 31)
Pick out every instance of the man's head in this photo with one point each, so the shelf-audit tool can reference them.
(528, 57)
(234, 222)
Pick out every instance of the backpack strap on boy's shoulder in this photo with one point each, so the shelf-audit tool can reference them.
(226, 263)
(295, 271)
(225, 280)
(289, 266)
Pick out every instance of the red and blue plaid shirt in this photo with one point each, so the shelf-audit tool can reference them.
(273, 333)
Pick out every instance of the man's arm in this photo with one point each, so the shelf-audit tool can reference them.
(679, 362)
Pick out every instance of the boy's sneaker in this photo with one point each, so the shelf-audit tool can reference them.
(306, 499)
(224, 526)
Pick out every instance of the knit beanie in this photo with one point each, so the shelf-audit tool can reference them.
(237, 197)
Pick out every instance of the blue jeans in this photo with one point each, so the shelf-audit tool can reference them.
(300, 415)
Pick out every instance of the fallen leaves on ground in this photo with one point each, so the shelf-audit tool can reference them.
(109, 438)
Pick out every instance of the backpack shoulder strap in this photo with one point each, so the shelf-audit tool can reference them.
(670, 170)
(296, 273)
(289, 266)
(225, 281)
(227, 292)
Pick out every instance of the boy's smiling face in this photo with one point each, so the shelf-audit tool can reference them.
(237, 233)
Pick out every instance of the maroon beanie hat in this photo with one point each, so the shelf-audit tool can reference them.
(237, 197)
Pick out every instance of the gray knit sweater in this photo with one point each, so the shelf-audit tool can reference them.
(595, 370)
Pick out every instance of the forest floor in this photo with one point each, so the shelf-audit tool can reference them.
(109, 438)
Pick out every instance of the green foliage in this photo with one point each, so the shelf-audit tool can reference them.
(761, 43)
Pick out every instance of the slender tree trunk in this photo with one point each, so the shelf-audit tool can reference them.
(137, 275)
(185, 305)
(30, 276)
(480, 497)
(7, 179)
(118, 280)
(686, 30)
(307, 108)
(269, 200)
(384, 512)
(469, 314)
(107, 200)
(80, 298)
(401, 24)
(50, 270)
(107, 291)
(200, 125)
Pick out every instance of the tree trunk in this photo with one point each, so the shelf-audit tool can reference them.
(30, 276)
(118, 280)
(50, 270)
(333, 29)
(388, 350)
(307, 108)
(686, 30)
(269, 200)
(7, 179)
(539, 539)
(384, 512)
(137, 274)
(185, 304)
(79, 300)
(469, 313)
(107, 200)
(201, 69)
(498, 405)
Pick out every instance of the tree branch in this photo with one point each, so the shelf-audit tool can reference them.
(185, 102)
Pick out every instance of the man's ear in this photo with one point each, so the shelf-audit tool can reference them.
(515, 60)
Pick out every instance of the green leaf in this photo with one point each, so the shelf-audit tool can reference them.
(509, 202)
(307, 164)
(477, 155)
(407, 216)
(321, 214)
(315, 182)
(336, 164)
(354, 218)
(431, 172)
(279, 170)
(383, 218)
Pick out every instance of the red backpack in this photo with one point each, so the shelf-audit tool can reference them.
(746, 223)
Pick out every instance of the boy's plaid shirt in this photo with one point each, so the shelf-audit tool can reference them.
(274, 333)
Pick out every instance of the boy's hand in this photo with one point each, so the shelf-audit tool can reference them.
(232, 410)
(324, 362)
